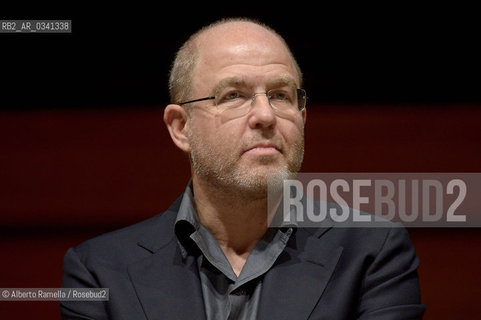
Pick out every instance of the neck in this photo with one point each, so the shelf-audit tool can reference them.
(237, 222)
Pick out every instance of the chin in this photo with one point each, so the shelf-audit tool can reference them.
(257, 183)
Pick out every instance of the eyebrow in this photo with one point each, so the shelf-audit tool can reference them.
(228, 82)
(240, 82)
(282, 81)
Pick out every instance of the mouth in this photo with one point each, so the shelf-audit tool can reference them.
(264, 148)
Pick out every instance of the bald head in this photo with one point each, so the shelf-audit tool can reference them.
(222, 65)
(223, 38)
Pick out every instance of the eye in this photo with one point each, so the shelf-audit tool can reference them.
(280, 95)
(232, 95)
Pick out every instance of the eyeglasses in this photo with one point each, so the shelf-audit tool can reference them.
(236, 102)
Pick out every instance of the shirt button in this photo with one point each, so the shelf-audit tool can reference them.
(239, 292)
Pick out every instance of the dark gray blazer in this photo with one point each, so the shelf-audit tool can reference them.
(324, 273)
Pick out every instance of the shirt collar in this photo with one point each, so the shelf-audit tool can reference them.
(187, 221)
(187, 211)
(279, 219)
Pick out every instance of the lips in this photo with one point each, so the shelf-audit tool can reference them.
(264, 147)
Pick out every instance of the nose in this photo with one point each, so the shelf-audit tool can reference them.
(261, 114)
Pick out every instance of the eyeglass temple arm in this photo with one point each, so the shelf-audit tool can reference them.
(196, 100)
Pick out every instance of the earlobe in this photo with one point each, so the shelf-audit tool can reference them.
(176, 120)
(304, 115)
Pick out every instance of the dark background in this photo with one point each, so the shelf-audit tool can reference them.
(121, 55)
(83, 148)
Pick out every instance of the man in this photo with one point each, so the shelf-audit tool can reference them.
(238, 112)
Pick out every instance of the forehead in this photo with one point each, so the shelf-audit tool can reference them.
(241, 49)
(283, 80)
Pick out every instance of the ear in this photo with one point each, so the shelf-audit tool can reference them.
(176, 119)
(304, 115)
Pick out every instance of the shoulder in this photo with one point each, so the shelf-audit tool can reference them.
(130, 243)
(366, 240)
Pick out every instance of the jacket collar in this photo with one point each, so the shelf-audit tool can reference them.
(161, 230)
(292, 288)
(168, 286)
(165, 282)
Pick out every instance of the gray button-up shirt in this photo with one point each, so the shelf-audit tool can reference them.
(226, 296)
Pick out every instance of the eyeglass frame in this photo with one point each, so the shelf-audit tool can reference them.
(298, 90)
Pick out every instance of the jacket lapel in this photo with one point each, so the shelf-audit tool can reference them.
(292, 288)
(167, 286)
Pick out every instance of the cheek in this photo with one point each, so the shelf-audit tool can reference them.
(218, 140)
(293, 131)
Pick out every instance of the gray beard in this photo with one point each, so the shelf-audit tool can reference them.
(228, 176)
